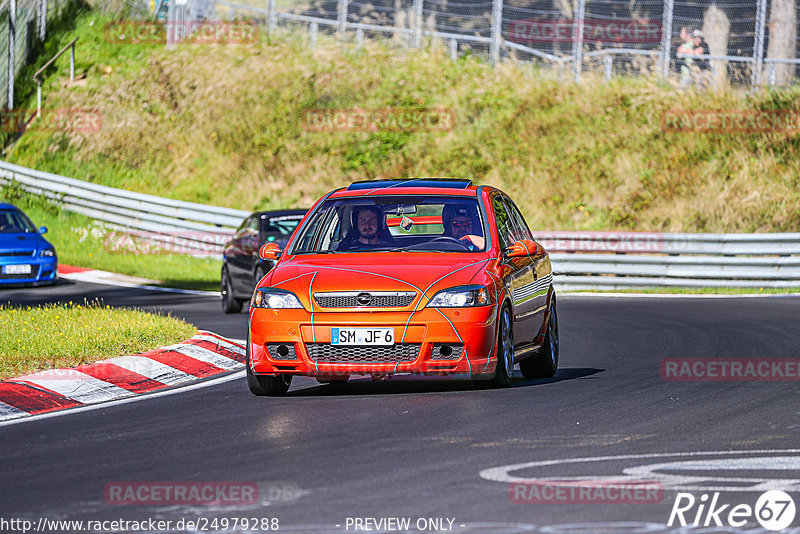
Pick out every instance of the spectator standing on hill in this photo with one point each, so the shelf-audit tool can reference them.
(702, 70)
(685, 64)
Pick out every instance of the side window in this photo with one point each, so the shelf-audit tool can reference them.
(521, 230)
(252, 225)
(245, 224)
(504, 226)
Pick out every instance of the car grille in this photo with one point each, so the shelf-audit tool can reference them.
(365, 299)
(401, 352)
(447, 352)
(24, 276)
(17, 253)
(272, 350)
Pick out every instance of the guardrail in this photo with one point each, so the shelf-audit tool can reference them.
(581, 260)
(130, 211)
(629, 260)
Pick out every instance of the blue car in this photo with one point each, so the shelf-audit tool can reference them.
(25, 256)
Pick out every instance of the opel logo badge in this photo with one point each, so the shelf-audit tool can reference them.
(364, 299)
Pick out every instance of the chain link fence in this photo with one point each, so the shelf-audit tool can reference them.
(742, 43)
(22, 24)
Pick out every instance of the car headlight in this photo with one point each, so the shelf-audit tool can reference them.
(47, 252)
(267, 297)
(460, 297)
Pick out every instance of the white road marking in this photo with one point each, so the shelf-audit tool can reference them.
(230, 346)
(670, 481)
(7, 411)
(75, 385)
(206, 355)
(204, 384)
(151, 369)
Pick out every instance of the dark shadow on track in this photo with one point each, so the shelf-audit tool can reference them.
(414, 385)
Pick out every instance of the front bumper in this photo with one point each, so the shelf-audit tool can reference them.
(43, 271)
(430, 341)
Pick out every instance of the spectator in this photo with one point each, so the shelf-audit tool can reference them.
(685, 64)
(702, 70)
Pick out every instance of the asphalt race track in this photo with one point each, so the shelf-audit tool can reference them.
(428, 449)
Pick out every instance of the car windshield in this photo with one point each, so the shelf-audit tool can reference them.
(280, 226)
(394, 223)
(15, 222)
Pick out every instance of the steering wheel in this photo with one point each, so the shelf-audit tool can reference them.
(451, 239)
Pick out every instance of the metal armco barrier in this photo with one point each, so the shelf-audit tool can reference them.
(581, 260)
(627, 260)
(197, 225)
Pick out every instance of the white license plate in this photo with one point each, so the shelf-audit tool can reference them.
(362, 336)
(17, 269)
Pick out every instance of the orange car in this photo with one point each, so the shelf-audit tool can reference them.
(425, 276)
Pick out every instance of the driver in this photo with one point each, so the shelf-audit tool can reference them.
(461, 222)
(368, 229)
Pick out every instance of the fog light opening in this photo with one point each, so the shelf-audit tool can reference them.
(445, 351)
(283, 351)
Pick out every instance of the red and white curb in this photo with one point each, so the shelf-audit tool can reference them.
(204, 355)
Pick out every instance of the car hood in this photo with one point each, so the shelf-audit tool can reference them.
(15, 242)
(418, 272)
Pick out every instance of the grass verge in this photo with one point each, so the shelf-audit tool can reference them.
(81, 242)
(65, 335)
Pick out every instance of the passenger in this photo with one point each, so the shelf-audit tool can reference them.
(461, 222)
(368, 229)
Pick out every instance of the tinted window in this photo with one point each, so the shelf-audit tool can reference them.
(281, 226)
(505, 229)
(521, 230)
(407, 222)
(15, 222)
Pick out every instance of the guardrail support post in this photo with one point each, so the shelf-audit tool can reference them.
(417, 24)
(359, 38)
(272, 19)
(312, 35)
(577, 39)
(608, 66)
(453, 49)
(666, 37)
(758, 49)
(342, 11)
(72, 63)
(497, 29)
(772, 74)
(38, 99)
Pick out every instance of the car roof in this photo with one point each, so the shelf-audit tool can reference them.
(4, 206)
(409, 186)
(279, 213)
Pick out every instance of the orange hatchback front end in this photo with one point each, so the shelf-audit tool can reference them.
(394, 277)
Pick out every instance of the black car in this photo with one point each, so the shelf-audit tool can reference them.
(241, 266)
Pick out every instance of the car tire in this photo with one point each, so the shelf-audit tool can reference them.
(505, 354)
(229, 303)
(545, 364)
(271, 386)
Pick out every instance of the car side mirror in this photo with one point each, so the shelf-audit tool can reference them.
(522, 248)
(269, 251)
(43, 230)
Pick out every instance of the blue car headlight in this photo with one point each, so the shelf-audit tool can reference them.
(461, 297)
(47, 252)
(267, 297)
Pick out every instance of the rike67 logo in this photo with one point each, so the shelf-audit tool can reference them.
(774, 510)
